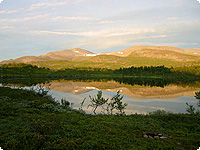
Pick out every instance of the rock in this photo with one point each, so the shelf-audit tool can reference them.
(145, 136)
(156, 137)
(163, 137)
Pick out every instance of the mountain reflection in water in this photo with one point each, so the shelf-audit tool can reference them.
(140, 98)
(142, 95)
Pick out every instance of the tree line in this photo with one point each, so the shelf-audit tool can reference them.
(147, 70)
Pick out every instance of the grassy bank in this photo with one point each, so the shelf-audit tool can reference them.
(31, 120)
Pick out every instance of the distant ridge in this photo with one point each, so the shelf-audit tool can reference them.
(126, 56)
(67, 55)
(128, 51)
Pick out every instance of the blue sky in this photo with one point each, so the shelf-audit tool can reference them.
(30, 27)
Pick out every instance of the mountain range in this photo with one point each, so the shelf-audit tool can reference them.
(133, 56)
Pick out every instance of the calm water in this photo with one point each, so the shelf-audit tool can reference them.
(141, 98)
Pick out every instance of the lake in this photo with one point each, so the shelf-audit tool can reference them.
(141, 98)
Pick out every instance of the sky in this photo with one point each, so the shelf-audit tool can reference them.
(36, 27)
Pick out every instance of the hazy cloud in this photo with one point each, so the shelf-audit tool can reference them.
(118, 41)
(103, 33)
(158, 36)
(62, 18)
(6, 27)
(172, 18)
(8, 12)
(47, 4)
(31, 18)
(106, 21)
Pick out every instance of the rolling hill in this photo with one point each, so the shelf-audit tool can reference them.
(128, 51)
(65, 55)
(133, 56)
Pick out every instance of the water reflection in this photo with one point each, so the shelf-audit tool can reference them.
(141, 96)
(134, 91)
(140, 99)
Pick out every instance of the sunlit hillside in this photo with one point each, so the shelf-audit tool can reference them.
(133, 56)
